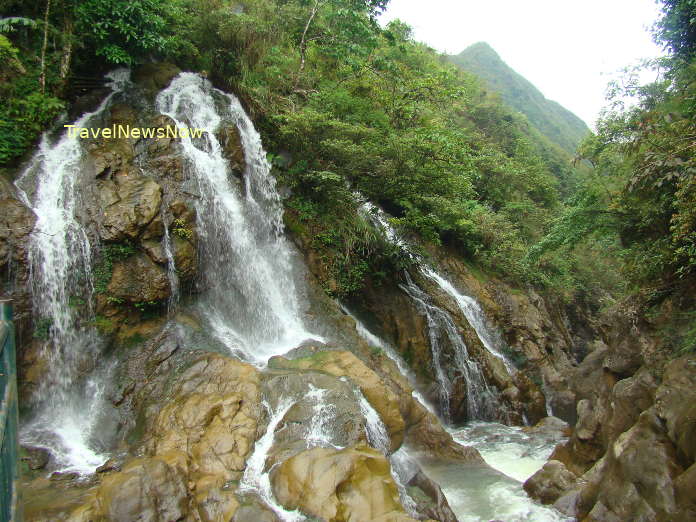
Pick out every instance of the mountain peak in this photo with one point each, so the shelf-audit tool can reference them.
(554, 121)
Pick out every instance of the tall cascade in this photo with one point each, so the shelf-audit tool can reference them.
(474, 315)
(481, 400)
(60, 254)
(250, 300)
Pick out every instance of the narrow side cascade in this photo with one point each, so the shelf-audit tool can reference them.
(256, 479)
(481, 401)
(251, 299)
(378, 437)
(390, 351)
(318, 432)
(474, 315)
(60, 256)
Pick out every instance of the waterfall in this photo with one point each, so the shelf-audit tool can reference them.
(171, 269)
(474, 315)
(250, 299)
(400, 462)
(319, 431)
(255, 479)
(60, 256)
(390, 352)
(481, 402)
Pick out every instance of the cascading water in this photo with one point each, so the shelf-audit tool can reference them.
(378, 437)
(250, 299)
(319, 431)
(481, 402)
(171, 269)
(60, 257)
(474, 315)
(255, 478)
(389, 350)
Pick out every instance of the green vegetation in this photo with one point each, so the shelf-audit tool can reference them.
(103, 270)
(42, 328)
(105, 325)
(559, 125)
(181, 230)
(359, 108)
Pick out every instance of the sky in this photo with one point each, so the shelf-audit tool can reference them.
(569, 49)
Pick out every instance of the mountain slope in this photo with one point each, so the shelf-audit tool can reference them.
(554, 121)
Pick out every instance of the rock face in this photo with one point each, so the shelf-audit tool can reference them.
(353, 484)
(382, 398)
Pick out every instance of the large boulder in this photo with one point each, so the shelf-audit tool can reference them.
(550, 482)
(147, 489)
(352, 484)
(675, 403)
(138, 279)
(130, 203)
(342, 363)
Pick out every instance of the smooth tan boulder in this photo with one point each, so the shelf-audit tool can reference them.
(353, 484)
(343, 363)
(550, 482)
(675, 403)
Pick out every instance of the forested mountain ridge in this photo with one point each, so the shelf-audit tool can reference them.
(554, 121)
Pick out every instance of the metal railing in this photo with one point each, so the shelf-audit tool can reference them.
(8, 418)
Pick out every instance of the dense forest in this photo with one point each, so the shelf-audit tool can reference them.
(347, 105)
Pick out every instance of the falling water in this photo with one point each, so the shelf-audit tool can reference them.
(251, 300)
(400, 462)
(171, 270)
(60, 257)
(319, 431)
(474, 315)
(481, 402)
(390, 352)
(255, 478)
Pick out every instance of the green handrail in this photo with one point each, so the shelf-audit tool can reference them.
(9, 477)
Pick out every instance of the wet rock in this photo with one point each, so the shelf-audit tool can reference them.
(155, 250)
(550, 482)
(349, 484)
(634, 480)
(342, 363)
(431, 502)
(325, 408)
(212, 416)
(232, 148)
(137, 201)
(155, 76)
(138, 279)
(185, 258)
(110, 465)
(148, 489)
(34, 457)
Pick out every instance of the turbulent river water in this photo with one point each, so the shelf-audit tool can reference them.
(253, 305)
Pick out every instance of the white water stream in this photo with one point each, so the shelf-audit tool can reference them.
(60, 255)
(251, 299)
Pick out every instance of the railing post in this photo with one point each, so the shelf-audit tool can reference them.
(9, 422)
(6, 310)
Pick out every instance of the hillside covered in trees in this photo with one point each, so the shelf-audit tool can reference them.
(551, 119)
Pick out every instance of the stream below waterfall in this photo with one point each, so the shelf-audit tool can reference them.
(479, 493)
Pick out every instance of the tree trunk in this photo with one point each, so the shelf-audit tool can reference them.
(303, 42)
(42, 77)
(66, 57)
